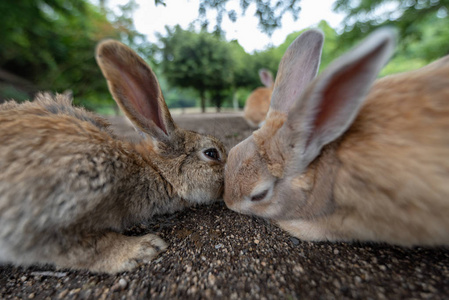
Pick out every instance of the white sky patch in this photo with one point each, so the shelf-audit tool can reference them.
(150, 19)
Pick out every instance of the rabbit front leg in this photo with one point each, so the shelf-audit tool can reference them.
(339, 226)
(306, 230)
(110, 252)
(342, 225)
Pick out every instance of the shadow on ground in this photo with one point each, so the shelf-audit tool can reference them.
(216, 253)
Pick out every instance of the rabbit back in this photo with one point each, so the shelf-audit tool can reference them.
(395, 159)
(257, 106)
(46, 104)
(391, 166)
(58, 164)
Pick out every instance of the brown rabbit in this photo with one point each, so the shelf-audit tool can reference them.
(341, 158)
(258, 102)
(68, 186)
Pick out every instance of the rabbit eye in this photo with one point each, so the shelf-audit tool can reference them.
(212, 153)
(259, 196)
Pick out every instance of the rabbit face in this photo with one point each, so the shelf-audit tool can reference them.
(267, 185)
(198, 167)
(250, 185)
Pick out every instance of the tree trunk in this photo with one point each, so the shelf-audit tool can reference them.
(218, 101)
(102, 4)
(235, 101)
(203, 101)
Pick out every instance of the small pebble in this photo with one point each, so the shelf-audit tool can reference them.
(188, 268)
(123, 283)
(298, 269)
(63, 294)
(294, 240)
(74, 291)
(211, 279)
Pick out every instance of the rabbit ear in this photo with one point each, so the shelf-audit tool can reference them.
(331, 103)
(135, 88)
(266, 78)
(298, 67)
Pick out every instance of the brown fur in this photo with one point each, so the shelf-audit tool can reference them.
(270, 149)
(385, 179)
(258, 102)
(69, 187)
(257, 105)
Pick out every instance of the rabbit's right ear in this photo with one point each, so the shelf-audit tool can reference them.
(266, 78)
(135, 88)
(330, 104)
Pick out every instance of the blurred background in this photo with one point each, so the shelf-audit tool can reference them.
(206, 53)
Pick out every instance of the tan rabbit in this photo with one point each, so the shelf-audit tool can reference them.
(258, 102)
(340, 158)
(68, 186)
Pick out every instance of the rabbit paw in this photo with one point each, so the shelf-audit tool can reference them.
(123, 253)
(149, 246)
(145, 249)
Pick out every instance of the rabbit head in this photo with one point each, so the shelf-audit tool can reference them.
(273, 173)
(191, 162)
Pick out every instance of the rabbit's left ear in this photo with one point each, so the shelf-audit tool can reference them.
(330, 104)
(297, 69)
(266, 78)
(135, 88)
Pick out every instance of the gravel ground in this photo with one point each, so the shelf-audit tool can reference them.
(216, 253)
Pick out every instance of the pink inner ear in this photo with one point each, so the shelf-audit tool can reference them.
(342, 93)
(144, 98)
(266, 78)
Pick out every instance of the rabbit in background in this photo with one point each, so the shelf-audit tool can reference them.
(69, 187)
(344, 157)
(258, 102)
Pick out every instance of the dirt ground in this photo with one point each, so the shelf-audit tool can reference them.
(215, 253)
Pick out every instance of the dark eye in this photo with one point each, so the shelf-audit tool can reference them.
(212, 153)
(259, 196)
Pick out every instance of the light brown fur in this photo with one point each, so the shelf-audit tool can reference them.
(69, 187)
(384, 179)
(258, 102)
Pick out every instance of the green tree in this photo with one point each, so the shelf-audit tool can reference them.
(269, 12)
(51, 43)
(423, 25)
(201, 60)
(271, 57)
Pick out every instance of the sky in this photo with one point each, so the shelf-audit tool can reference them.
(150, 19)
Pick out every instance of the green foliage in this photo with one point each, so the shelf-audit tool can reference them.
(51, 44)
(201, 60)
(423, 25)
(271, 57)
(269, 12)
